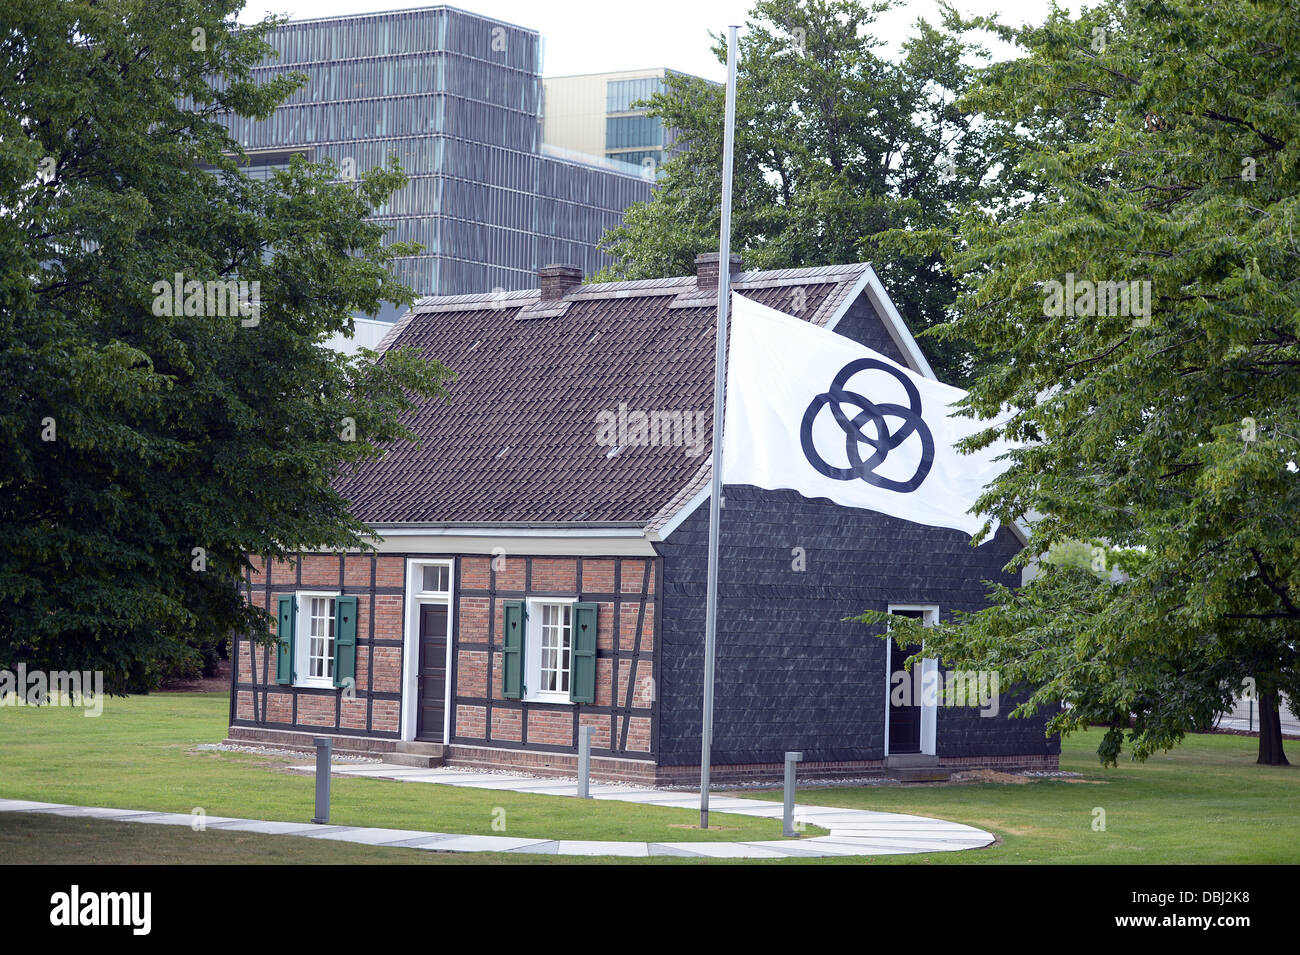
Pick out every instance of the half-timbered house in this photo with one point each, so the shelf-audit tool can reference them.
(540, 563)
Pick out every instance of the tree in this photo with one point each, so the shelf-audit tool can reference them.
(839, 151)
(1164, 436)
(163, 424)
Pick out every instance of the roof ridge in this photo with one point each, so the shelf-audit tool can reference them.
(593, 290)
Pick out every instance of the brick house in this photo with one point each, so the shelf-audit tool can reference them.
(540, 563)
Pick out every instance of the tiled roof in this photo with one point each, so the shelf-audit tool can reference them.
(517, 442)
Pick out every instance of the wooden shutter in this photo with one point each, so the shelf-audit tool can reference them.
(582, 655)
(514, 619)
(345, 641)
(285, 629)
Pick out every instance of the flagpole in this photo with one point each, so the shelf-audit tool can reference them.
(719, 407)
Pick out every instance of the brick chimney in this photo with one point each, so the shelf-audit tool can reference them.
(706, 270)
(558, 281)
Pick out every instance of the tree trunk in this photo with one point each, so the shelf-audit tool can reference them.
(1270, 731)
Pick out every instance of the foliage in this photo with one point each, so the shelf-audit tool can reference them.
(1165, 139)
(841, 154)
(146, 455)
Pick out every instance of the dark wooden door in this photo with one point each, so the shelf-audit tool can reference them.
(904, 721)
(433, 671)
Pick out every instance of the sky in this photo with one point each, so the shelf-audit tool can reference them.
(582, 36)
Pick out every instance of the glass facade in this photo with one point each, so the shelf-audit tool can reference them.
(622, 95)
(457, 98)
(631, 136)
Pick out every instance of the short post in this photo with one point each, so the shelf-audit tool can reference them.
(788, 823)
(323, 746)
(585, 733)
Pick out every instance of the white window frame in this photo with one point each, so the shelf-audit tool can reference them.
(416, 596)
(302, 640)
(533, 651)
(929, 672)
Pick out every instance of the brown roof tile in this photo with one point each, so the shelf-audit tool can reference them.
(517, 440)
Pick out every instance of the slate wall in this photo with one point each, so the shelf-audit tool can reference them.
(791, 675)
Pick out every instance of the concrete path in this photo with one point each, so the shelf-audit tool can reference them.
(853, 832)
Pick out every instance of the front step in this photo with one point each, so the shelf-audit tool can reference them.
(417, 753)
(908, 760)
(916, 768)
(922, 774)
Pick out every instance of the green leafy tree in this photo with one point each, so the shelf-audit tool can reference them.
(147, 453)
(1167, 436)
(840, 154)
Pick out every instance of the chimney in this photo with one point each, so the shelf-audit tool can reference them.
(558, 281)
(706, 270)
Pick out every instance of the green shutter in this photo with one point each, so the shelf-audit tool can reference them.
(345, 641)
(582, 665)
(285, 628)
(512, 649)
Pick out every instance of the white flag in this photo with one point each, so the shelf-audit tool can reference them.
(816, 412)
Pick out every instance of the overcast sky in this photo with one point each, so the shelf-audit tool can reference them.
(580, 36)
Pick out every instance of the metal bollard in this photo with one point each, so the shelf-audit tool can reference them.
(788, 819)
(323, 746)
(585, 733)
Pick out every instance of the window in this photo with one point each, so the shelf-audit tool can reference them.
(556, 642)
(548, 650)
(320, 644)
(316, 640)
(435, 579)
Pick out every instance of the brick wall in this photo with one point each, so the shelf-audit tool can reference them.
(625, 590)
(624, 710)
(374, 709)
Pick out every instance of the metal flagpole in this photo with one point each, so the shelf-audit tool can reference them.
(719, 406)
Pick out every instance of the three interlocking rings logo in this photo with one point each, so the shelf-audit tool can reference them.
(881, 442)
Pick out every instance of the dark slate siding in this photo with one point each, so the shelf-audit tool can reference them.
(791, 675)
(861, 324)
(963, 732)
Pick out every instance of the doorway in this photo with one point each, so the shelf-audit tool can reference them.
(432, 674)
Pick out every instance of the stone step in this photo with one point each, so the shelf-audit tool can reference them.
(908, 760)
(420, 748)
(420, 760)
(921, 774)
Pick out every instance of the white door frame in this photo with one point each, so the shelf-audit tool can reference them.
(929, 673)
(415, 598)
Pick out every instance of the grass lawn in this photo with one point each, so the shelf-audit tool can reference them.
(1204, 803)
(139, 754)
(1207, 802)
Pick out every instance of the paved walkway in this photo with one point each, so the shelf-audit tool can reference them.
(853, 832)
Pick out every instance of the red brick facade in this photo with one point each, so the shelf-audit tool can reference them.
(482, 719)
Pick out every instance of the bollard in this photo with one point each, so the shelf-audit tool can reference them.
(788, 823)
(323, 746)
(585, 733)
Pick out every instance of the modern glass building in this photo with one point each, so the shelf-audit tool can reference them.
(457, 98)
(598, 113)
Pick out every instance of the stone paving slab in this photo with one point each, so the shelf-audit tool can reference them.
(580, 848)
(852, 832)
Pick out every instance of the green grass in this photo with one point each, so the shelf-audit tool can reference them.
(1207, 802)
(1204, 803)
(139, 754)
